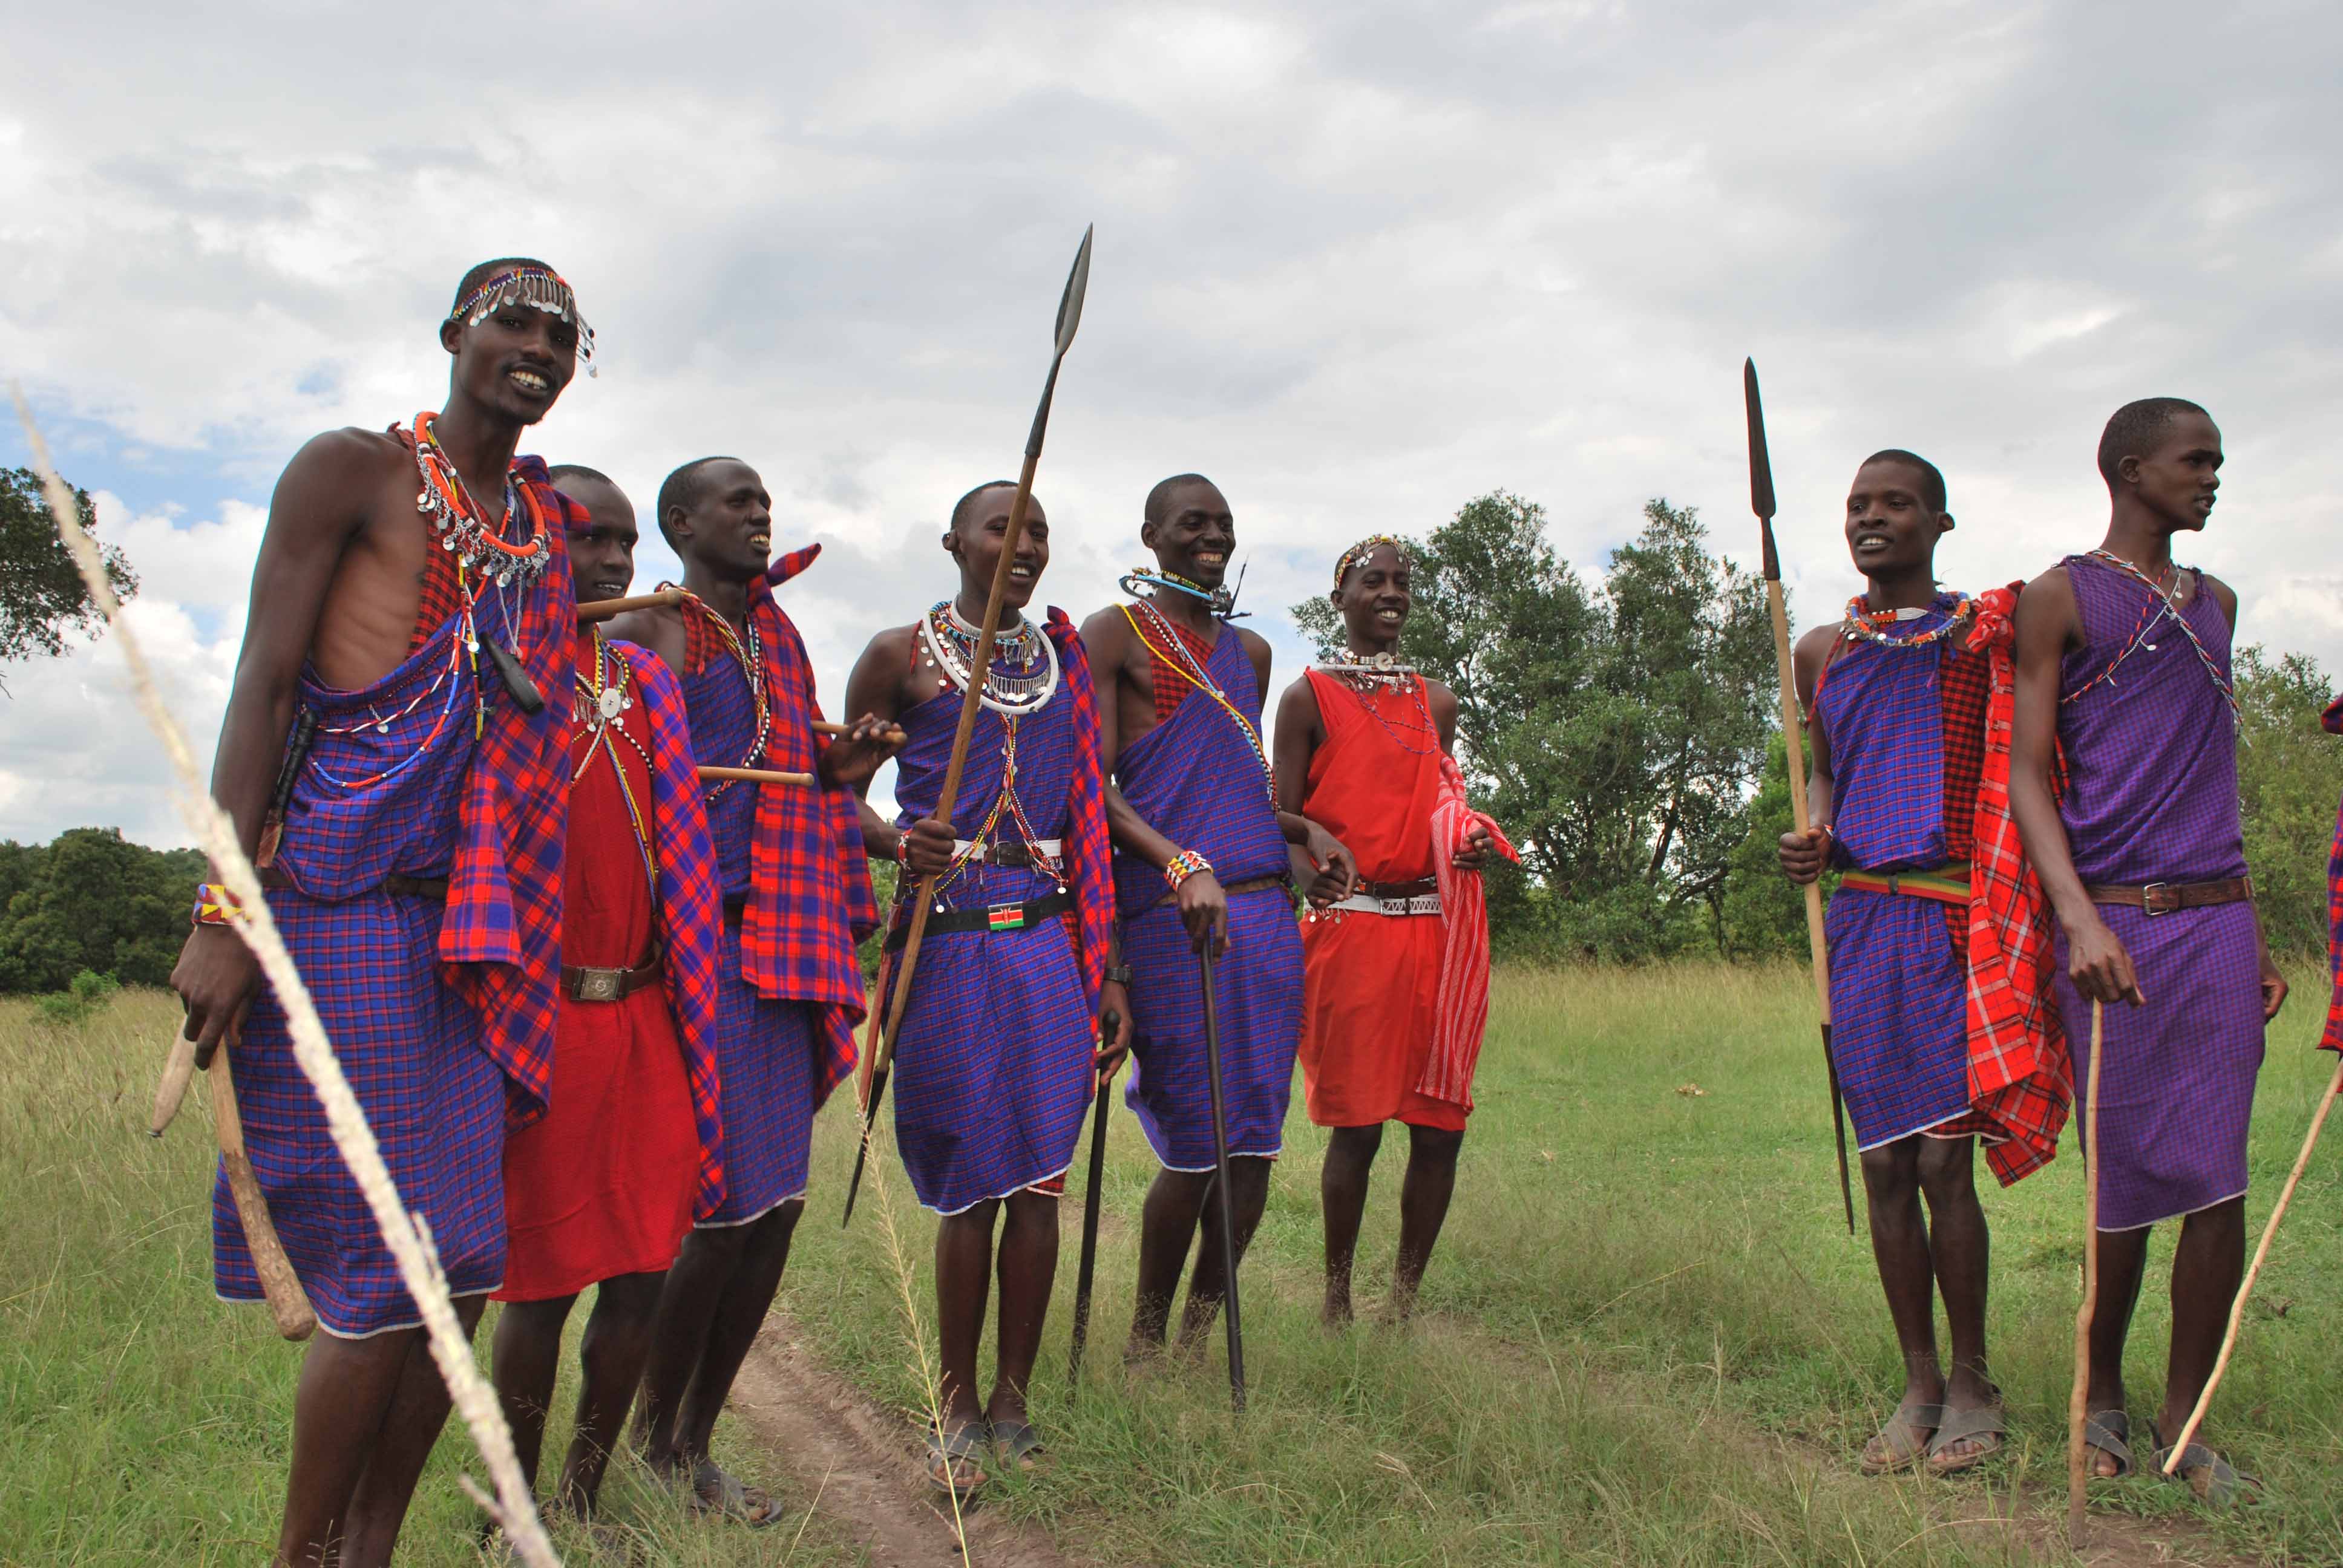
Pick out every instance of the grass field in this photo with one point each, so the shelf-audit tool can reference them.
(1647, 1337)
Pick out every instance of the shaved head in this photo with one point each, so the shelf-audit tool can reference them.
(683, 490)
(1159, 499)
(965, 507)
(2134, 431)
(1932, 482)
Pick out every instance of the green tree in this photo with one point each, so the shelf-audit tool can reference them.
(96, 901)
(42, 595)
(2289, 775)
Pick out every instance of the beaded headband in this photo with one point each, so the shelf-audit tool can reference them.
(539, 288)
(1361, 551)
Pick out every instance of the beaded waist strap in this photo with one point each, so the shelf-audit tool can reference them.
(1946, 884)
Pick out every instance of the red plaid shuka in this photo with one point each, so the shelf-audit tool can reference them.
(809, 885)
(1090, 866)
(690, 914)
(501, 940)
(2333, 1038)
(2020, 1079)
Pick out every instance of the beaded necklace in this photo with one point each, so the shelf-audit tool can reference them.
(1012, 693)
(1139, 582)
(751, 660)
(1420, 727)
(1184, 663)
(600, 699)
(1867, 625)
(457, 519)
(2160, 605)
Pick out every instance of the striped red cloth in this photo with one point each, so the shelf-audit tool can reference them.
(2020, 1078)
(1090, 862)
(2332, 1040)
(1463, 1015)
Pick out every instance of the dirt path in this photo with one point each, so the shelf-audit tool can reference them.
(863, 1462)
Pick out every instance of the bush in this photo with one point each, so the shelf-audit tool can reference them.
(89, 993)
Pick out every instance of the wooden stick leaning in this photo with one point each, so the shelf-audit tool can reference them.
(754, 776)
(1069, 315)
(407, 1237)
(1110, 1031)
(2079, 1397)
(288, 1304)
(1761, 501)
(178, 1071)
(2246, 1288)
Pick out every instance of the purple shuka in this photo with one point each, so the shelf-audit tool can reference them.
(2152, 796)
(1196, 780)
(764, 1049)
(992, 1069)
(1899, 1027)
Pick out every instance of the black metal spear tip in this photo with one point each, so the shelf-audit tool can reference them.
(1069, 317)
(1760, 469)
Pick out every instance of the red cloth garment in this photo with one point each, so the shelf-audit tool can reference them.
(2021, 1081)
(604, 1183)
(2332, 1040)
(1464, 961)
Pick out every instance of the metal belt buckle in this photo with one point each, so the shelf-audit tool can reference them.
(598, 985)
(2151, 897)
(1005, 918)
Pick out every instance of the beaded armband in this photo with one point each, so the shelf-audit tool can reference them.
(215, 906)
(1183, 866)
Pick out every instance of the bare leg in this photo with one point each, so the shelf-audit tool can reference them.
(2122, 1264)
(525, 1360)
(695, 1289)
(1208, 1285)
(1029, 1267)
(1899, 1248)
(740, 1315)
(1963, 1248)
(1342, 1201)
(344, 1395)
(418, 1410)
(1167, 1229)
(616, 1345)
(1423, 1195)
(2206, 1266)
(963, 1284)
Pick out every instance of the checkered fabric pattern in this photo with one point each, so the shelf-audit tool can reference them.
(690, 907)
(2020, 1076)
(1090, 864)
(765, 1052)
(1882, 708)
(2332, 1040)
(1169, 687)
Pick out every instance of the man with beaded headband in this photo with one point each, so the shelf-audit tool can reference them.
(994, 1066)
(411, 611)
(1397, 962)
(2124, 780)
(601, 1191)
(1196, 808)
(796, 900)
(1897, 697)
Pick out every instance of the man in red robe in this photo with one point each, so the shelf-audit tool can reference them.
(1361, 745)
(602, 1190)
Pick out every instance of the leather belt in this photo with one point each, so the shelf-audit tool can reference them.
(1010, 917)
(579, 983)
(1017, 854)
(1250, 885)
(2164, 898)
(432, 887)
(1400, 904)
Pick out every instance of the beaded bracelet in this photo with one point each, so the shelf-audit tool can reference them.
(215, 906)
(1183, 866)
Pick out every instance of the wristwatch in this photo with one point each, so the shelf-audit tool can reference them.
(1119, 974)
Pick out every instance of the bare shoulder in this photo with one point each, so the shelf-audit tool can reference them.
(1440, 700)
(350, 464)
(1256, 646)
(1299, 700)
(1817, 642)
(2048, 618)
(2223, 595)
(659, 628)
(1106, 636)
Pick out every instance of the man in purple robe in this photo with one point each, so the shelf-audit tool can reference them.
(2124, 781)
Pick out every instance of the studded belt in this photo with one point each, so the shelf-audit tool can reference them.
(579, 983)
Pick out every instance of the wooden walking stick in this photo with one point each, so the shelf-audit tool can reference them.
(1110, 1028)
(178, 1068)
(979, 665)
(595, 610)
(288, 1304)
(2246, 1290)
(754, 776)
(2078, 1398)
(1220, 1175)
(1761, 501)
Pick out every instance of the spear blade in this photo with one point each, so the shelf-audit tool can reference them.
(1761, 466)
(1070, 304)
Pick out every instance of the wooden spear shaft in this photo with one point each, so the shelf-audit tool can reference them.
(2079, 1396)
(2246, 1290)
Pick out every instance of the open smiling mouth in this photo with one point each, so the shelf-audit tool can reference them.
(529, 381)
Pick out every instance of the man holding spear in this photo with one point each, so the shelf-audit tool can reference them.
(2124, 696)
(412, 603)
(994, 1065)
(797, 899)
(602, 1190)
(1200, 868)
(1896, 696)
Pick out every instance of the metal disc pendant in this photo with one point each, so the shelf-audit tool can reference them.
(612, 703)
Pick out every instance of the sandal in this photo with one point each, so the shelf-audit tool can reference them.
(951, 1460)
(716, 1490)
(1019, 1443)
(2109, 1431)
(1984, 1425)
(2215, 1482)
(1901, 1441)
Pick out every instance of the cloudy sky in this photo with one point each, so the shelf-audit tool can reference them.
(1360, 262)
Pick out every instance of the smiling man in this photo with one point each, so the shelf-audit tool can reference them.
(602, 1190)
(1200, 857)
(2123, 698)
(1363, 748)
(414, 766)
(994, 1066)
(797, 899)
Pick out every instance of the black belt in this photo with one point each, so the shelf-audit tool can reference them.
(582, 983)
(432, 887)
(1011, 917)
(1415, 889)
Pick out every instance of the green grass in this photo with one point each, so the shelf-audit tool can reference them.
(1646, 1336)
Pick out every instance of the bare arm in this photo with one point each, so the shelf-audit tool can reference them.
(319, 506)
(1805, 854)
(876, 688)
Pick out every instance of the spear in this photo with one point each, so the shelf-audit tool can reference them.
(1110, 1031)
(1761, 501)
(1069, 315)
